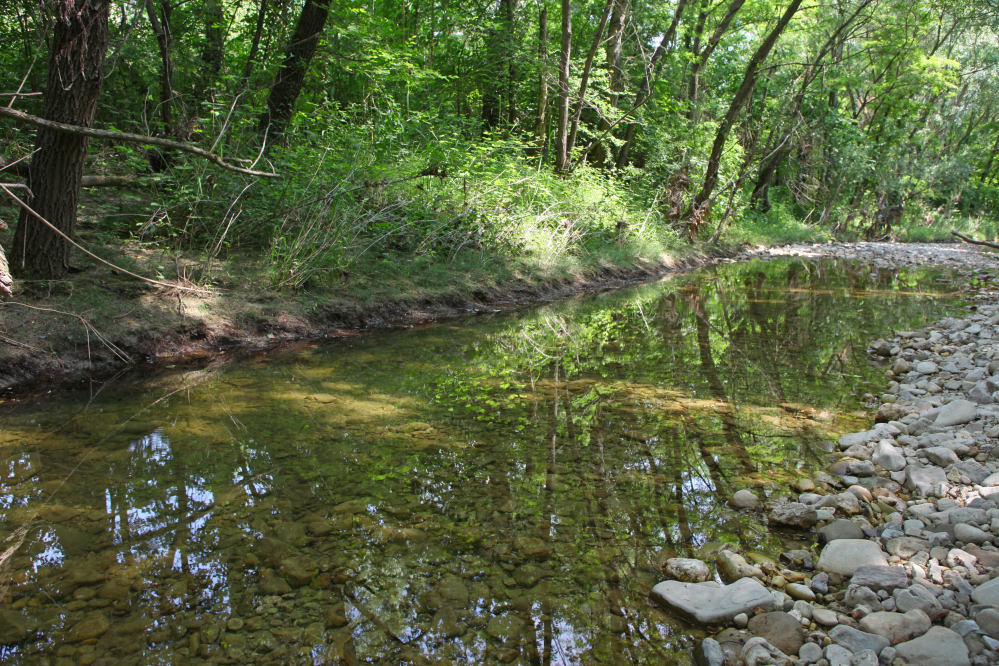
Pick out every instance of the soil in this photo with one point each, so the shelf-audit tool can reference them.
(101, 323)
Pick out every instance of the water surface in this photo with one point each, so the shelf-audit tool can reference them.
(501, 489)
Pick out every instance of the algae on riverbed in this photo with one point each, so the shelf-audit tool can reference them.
(496, 489)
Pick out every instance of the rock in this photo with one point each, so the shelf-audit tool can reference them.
(987, 593)
(897, 627)
(733, 566)
(956, 413)
(865, 658)
(272, 584)
(505, 627)
(825, 617)
(847, 503)
(810, 653)
(968, 534)
(906, 547)
(926, 367)
(843, 556)
(531, 548)
(853, 438)
(799, 591)
(941, 456)
(757, 652)
(887, 456)
(916, 597)
(967, 514)
(878, 577)
(93, 626)
(855, 640)
(707, 605)
(804, 485)
(937, 647)
(526, 576)
(988, 558)
(744, 499)
(781, 630)
(979, 394)
(887, 656)
(741, 621)
(840, 529)
(820, 583)
(56, 513)
(445, 623)
(14, 627)
(988, 622)
(794, 514)
(924, 480)
(862, 468)
(709, 653)
(837, 655)
(686, 570)
(452, 588)
(858, 595)
(861, 493)
(974, 470)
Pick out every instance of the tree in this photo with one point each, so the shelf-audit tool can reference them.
(742, 95)
(78, 48)
(291, 76)
(564, 61)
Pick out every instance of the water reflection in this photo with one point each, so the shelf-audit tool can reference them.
(496, 490)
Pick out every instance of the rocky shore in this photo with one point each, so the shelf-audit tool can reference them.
(905, 568)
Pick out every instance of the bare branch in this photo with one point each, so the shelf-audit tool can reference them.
(968, 239)
(20, 116)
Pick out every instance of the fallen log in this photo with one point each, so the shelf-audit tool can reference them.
(968, 239)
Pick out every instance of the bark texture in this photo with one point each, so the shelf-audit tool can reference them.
(76, 71)
(298, 57)
(564, 60)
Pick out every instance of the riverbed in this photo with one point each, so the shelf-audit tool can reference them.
(498, 489)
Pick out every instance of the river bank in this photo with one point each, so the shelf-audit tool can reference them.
(103, 321)
(906, 568)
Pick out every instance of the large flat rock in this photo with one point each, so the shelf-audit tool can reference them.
(712, 605)
(844, 556)
(937, 647)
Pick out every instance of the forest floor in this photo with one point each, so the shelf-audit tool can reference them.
(101, 320)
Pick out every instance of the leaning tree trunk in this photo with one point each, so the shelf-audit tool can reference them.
(255, 44)
(564, 59)
(298, 57)
(79, 45)
(742, 96)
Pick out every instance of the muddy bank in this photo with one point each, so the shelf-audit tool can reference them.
(100, 326)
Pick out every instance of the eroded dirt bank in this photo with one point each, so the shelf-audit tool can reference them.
(103, 322)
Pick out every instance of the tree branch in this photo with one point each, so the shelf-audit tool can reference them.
(968, 239)
(20, 116)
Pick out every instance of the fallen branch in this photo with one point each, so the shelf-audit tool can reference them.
(20, 116)
(968, 239)
(4, 186)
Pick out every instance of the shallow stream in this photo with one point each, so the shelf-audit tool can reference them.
(500, 489)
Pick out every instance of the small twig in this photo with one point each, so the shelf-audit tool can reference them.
(968, 239)
(86, 325)
(15, 343)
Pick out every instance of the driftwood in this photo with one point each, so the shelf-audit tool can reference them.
(20, 116)
(968, 239)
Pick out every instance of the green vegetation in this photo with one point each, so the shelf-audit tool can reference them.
(418, 142)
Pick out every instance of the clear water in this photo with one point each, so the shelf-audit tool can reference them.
(498, 489)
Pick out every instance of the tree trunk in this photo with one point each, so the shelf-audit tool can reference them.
(585, 78)
(255, 44)
(540, 131)
(79, 45)
(564, 59)
(214, 48)
(742, 96)
(646, 88)
(291, 77)
(988, 165)
(612, 49)
(501, 70)
(162, 32)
